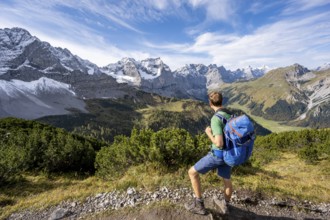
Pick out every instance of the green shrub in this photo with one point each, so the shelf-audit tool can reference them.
(309, 154)
(45, 148)
(11, 162)
(171, 148)
(65, 153)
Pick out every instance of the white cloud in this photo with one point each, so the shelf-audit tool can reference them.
(216, 10)
(100, 54)
(299, 38)
(295, 6)
(282, 43)
(260, 6)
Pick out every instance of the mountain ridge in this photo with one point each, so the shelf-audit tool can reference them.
(26, 58)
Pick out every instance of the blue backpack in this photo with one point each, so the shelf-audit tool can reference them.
(239, 138)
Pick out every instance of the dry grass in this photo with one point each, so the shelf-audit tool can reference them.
(286, 177)
(291, 177)
(37, 192)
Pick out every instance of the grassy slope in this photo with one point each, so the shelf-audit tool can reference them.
(273, 126)
(287, 177)
(266, 90)
(195, 110)
(271, 87)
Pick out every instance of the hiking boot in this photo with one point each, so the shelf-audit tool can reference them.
(222, 205)
(196, 206)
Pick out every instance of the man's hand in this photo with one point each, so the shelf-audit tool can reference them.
(208, 130)
(217, 140)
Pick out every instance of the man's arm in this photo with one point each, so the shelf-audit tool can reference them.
(217, 140)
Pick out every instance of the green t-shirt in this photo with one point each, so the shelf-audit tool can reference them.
(217, 126)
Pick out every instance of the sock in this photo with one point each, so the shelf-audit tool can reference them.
(201, 200)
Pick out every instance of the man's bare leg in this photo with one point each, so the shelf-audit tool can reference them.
(197, 204)
(195, 182)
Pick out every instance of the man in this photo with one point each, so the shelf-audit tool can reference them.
(213, 160)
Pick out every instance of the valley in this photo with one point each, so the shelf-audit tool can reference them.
(273, 126)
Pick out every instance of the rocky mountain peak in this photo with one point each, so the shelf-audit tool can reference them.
(32, 58)
(299, 69)
(15, 37)
(192, 69)
(213, 66)
(127, 60)
(154, 66)
(295, 72)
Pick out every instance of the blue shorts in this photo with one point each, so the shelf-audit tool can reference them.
(210, 162)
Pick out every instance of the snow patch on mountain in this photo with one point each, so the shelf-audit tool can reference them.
(41, 85)
(325, 66)
(37, 98)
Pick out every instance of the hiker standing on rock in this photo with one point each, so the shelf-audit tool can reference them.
(213, 160)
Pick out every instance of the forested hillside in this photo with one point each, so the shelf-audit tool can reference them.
(108, 117)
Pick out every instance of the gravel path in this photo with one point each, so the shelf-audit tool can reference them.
(244, 205)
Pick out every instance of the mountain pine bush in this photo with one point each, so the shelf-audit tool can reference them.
(32, 146)
(171, 148)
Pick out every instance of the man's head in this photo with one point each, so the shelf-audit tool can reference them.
(215, 99)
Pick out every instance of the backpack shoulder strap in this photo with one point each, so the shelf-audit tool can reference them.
(221, 117)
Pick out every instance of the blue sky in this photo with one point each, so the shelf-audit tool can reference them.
(232, 33)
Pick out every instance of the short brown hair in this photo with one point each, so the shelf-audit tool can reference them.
(215, 98)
